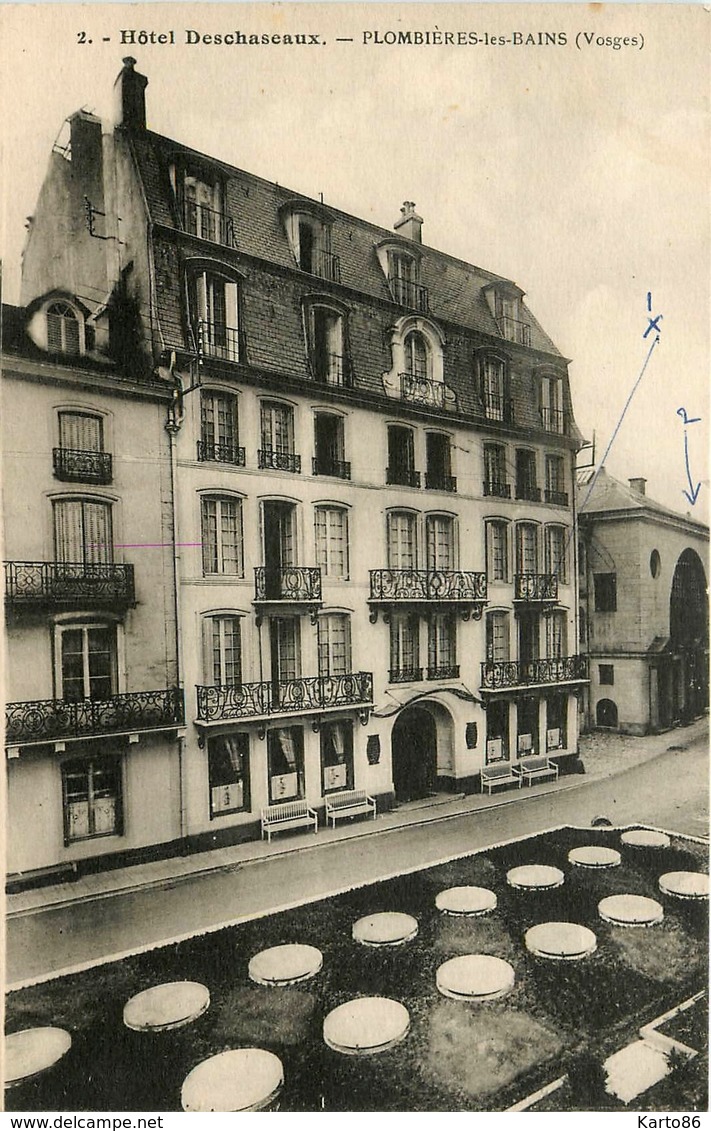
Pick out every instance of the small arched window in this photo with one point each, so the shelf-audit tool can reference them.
(417, 355)
(63, 329)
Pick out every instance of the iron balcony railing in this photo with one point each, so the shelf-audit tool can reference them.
(324, 264)
(498, 488)
(216, 339)
(440, 481)
(69, 583)
(405, 675)
(536, 587)
(331, 369)
(409, 294)
(422, 391)
(499, 674)
(403, 476)
(427, 585)
(291, 583)
(325, 465)
(560, 498)
(73, 465)
(278, 461)
(281, 697)
(208, 450)
(553, 419)
(498, 408)
(209, 224)
(528, 492)
(443, 671)
(514, 330)
(47, 720)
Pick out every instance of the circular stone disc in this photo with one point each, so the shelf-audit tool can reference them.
(645, 838)
(685, 885)
(539, 876)
(386, 928)
(630, 910)
(561, 941)
(466, 901)
(32, 1051)
(284, 965)
(366, 1025)
(476, 977)
(166, 1007)
(237, 1080)
(595, 856)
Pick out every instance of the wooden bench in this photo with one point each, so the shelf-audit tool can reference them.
(499, 774)
(538, 767)
(349, 803)
(287, 815)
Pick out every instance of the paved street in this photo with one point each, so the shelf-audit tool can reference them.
(669, 791)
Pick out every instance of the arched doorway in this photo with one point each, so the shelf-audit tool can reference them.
(689, 637)
(606, 713)
(414, 754)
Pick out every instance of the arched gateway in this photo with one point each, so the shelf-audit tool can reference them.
(421, 746)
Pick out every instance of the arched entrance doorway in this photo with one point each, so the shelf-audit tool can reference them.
(606, 713)
(414, 754)
(689, 637)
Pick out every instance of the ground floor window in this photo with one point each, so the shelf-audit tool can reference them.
(556, 719)
(228, 769)
(336, 756)
(497, 732)
(91, 790)
(527, 741)
(285, 758)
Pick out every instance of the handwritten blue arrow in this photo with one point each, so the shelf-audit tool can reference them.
(694, 490)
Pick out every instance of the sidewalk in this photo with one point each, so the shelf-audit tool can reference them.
(604, 755)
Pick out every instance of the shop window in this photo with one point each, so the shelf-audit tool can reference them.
(556, 722)
(228, 768)
(497, 732)
(336, 756)
(527, 737)
(91, 790)
(285, 760)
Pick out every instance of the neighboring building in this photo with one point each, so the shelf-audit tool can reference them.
(643, 607)
(374, 453)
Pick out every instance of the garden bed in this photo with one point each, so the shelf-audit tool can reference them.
(457, 1056)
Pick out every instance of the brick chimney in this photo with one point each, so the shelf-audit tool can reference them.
(130, 97)
(638, 485)
(409, 224)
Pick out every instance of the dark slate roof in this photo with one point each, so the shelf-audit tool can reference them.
(455, 288)
(609, 496)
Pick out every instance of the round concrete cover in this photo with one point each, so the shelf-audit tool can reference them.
(386, 928)
(32, 1051)
(167, 1006)
(366, 1025)
(630, 910)
(466, 901)
(685, 885)
(535, 876)
(285, 965)
(476, 977)
(594, 856)
(561, 941)
(645, 838)
(237, 1080)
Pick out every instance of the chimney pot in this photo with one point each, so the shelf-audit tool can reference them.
(639, 485)
(130, 96)
(409, 224)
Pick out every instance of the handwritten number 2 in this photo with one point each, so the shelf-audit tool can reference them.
(682, 413)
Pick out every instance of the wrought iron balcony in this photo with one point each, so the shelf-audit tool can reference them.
(553, 419)
(449, 586)
(443, 671)
(409, 294)
(514, 330)
(324, 264)
(36, 584)
(284, 697)
(216, 339)
(497, 675)
(422, 390)
(278, 461)
(529, 492)
(331, 369)
(207, 450)
(208, 224)
(440, 481)
(498, 408)
(498, 488)
(403, 477)
(73, 465)
(536, 587)
(301, 584)
(560, 498)
(405, 675)
(337, 468)
(50, 720)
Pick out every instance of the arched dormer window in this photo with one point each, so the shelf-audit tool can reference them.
(417, 374)
(308, 229)
(214, 304)
(505, 304)
(399, 259)
(326, 327)
(63, 329)
(418, 361)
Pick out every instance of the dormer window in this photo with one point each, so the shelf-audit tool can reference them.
(552, 414)
(215, 316)
(404, 281)
(328, 354)
(417, 355)
(505, 304)
(494, 389)
(201, 199)
(309, 233)
(64, 329)
(417, 373)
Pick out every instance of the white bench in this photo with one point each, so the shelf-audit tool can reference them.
(287, 815)
(349, 803)
(499, 774)
(538, 767)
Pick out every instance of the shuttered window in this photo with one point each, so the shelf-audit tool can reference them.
(82, 531)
